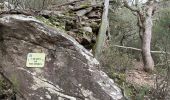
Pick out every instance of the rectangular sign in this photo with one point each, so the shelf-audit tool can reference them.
(35, 60)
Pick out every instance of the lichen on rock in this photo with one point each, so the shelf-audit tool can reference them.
(70, 71)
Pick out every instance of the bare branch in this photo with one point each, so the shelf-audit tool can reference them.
(124, 47)
(137, 49)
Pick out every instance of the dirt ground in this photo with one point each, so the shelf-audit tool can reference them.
(137, 76)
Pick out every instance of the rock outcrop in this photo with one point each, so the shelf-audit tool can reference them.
(70, 71)
(79, 19)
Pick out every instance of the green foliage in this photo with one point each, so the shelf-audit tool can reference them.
(124, 30)
(15, 83)
(128, 91)
(142, 92)
(123, 24)
(2, 84)
(115, 4)
(52, 22)
(116, 63)
(134, 92)
(46, 21)
(161, 36)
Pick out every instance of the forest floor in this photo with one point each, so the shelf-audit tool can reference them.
(144, 85)
(137, 76)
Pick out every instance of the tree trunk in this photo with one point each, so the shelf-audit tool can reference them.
(144, 16)
(146, 40)
(102, 32)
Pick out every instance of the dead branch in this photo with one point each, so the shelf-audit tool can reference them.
(124, 47)
(137, 49)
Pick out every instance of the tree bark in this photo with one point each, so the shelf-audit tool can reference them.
(102, 31)
(144, 16)
(146, 39)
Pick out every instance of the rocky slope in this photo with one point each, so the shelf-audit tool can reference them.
(79, 19)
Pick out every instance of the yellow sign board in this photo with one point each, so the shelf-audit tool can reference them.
(35, 60)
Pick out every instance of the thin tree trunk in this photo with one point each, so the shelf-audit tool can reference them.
(102, 32)
(146, 40)
(145, 30)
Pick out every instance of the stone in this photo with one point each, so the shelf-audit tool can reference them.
(87, 29)
(82, 12)
(94, 14)
(48, 13)
(70, 71)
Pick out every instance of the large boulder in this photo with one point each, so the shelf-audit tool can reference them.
(70, 72)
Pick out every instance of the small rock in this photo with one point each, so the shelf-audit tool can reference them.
(87, 29)
(84, 23)
(71, 7)
(94, 14)
(85, 18)
(83, 11)
(71, 34)
(87, 37)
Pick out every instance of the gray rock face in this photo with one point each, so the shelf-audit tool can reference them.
(70, 72)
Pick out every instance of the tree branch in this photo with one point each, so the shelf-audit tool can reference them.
(130, 7)
(137, 49)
